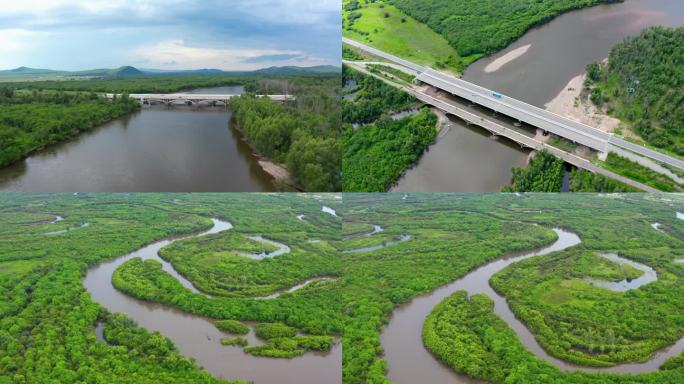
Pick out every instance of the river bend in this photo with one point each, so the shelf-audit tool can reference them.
(197, 337)
(410, 362)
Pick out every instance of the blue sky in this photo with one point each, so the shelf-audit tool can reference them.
(169, 34)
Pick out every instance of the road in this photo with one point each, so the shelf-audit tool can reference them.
(577, 132)
(502, 129)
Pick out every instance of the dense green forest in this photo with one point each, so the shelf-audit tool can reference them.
(545, 173)
(494, 352)
(642, 85)
(478, 28)
(377, 148)
(549, 293)
(30, 121)
(454, 233)
(303, 135)
(47, 319)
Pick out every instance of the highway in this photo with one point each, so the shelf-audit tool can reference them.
(577, 132)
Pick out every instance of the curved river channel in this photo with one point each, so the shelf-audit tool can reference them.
(197, 337)
(409, 362)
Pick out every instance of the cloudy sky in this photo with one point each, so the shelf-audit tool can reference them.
(169, 34)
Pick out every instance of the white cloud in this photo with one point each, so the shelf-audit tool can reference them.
(13, 43)
(176, 54)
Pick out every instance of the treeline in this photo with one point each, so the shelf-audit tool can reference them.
(480, 27)
(642, 85)
(32, 120)
(377, 148)
(303, 135)
(151, 84)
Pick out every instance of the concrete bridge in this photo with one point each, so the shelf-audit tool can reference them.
(191, 98)
(537, 117)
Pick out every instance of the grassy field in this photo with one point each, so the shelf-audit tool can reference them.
(399, 34)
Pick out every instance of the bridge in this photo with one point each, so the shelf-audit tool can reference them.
(576, 132)
(191, 98)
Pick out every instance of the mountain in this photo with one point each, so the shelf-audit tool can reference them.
(319, 69)
(116, 72)
(25, 73)
(204, 71)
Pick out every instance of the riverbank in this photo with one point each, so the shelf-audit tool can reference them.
(280, 174)
(573, 102)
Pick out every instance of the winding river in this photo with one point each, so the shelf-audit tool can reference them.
(197, 337)
(409, 362)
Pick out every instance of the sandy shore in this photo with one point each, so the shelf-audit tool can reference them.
(278, 172)
(571, 103)
(507, 58)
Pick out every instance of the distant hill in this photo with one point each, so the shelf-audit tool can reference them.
(299, 70)
(25, 73)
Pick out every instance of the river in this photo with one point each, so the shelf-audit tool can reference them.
(159, 148)
(410, 362)
(465, 159)
(197, 337)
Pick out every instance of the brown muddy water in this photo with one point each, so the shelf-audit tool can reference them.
(198, 338)
(159, 148)
(409, 362)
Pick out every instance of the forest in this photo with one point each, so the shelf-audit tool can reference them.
(378, 148)
(477, 28)
(454, 233)
(642, 86)
(48, 320)
(31, 121)
(494, 352)
(304, 135)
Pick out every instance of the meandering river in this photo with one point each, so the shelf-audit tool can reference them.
(159, 148)
(466, 159)
(197, 337)
(409, 362)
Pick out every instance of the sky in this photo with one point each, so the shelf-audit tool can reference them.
(169, 34)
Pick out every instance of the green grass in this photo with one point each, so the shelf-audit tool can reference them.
(410, 39)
